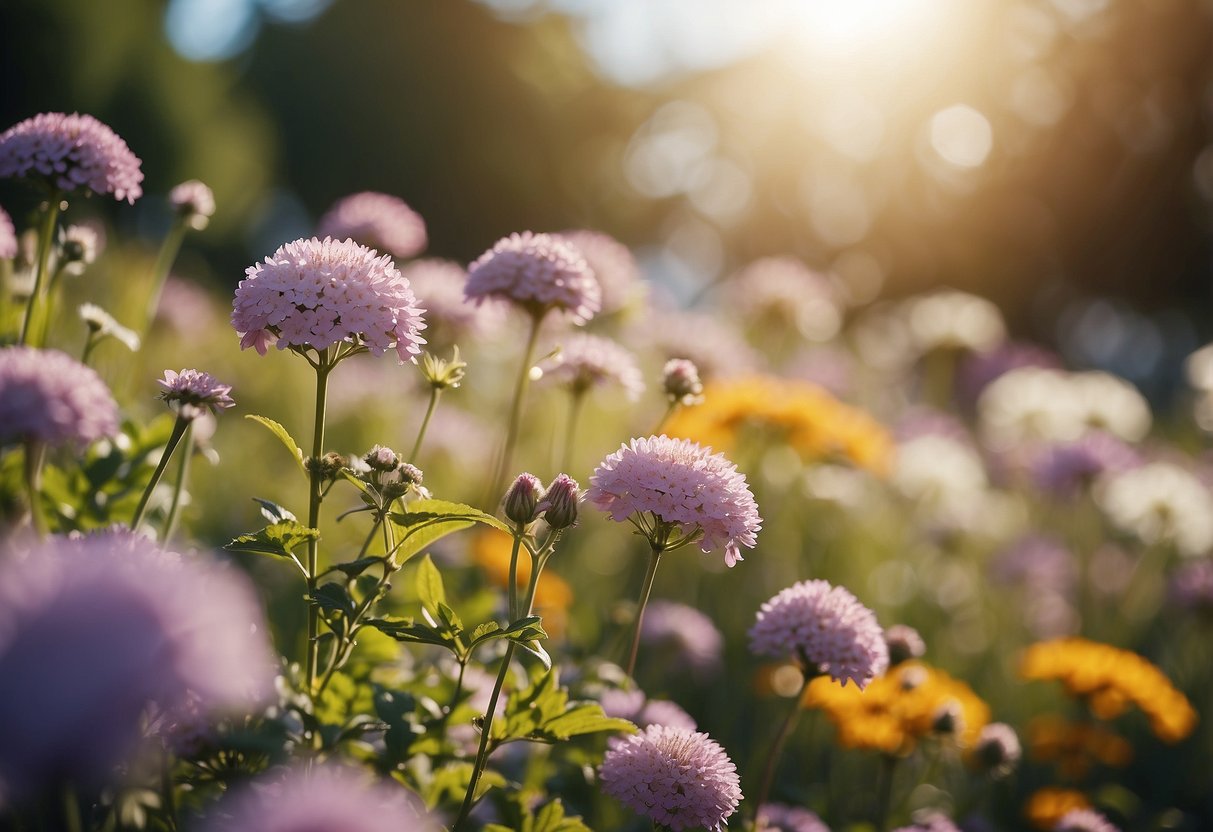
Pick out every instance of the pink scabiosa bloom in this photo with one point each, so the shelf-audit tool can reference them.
(538, 272)
(71, 152)
(587, 361)
(1084, 820)
(319, 293)
(682, 485)
(613, 265)
(94, 629)
(51, 398)
(825, 628)
(194, 202)
(8, 237)
(190, 392)
(679, 779)
(776, 817)
(381, 221)
(685, 638)
(326, 798)
(438, 285)
(634, 706)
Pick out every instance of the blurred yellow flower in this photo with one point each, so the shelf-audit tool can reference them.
(1109, 679)
(1049, 805)
(553, 596)
(810, 420)
(1074, 746)
(898, 709)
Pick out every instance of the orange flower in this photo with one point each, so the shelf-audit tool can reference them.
(1074, 746)
(1049, 805)
(553, 596)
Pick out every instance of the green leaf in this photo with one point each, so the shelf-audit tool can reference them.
(536, 650)
(449, 618)
(451, 782)
(429, 586)
(278, 540)
(333, 596)
(286, 439)
(450, 509)
(523, 630)
(273, 512)
(356, 567)
(429, 520)
(586, 718)
(551, 818)
(408, 630)
(543, 713)
(487, 631)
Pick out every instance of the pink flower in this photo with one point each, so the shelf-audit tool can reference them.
(71, 152)
(538, 272)
(682, 483)
(776, 817)
(824, 626)
(189, 391)
(612, 263)
(439, 285)
(47, 396)
(314, 293)
(194, 201)
(587, 361)
(677, 778)
(381, 221)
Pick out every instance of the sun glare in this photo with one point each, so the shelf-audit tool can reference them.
(846, 25)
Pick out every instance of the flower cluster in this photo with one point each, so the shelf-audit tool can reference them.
(538, 272)
(587, 361)
(438, 285)
(612, 263)
(381, 221)
(48, 397)
(70, 152)
(190, 392)
(685, 639)
(1109, 679)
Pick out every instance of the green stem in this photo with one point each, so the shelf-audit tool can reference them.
(179, 429)
(576, 400)
(35, 455)
(435, 393)
(520, 388)
(71, 811)
(46, 236)
(512, 587)
(183, 472)
(315, 496)
(90, 343)
(888, 764)
(649, 575)
(160, 271)
(669, 411)
(785, 731)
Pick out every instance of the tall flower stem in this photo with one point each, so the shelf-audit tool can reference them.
(781, 739)
(179, 428)
(35, 455)
(656, 550)
(520, 388)
(576, 401)
(183, 472)
(512, 586)
(669, 411)
(315, 496)
(888, 766)
(33, 331)
(163, 265)
(435, 394)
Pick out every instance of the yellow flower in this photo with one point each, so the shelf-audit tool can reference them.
(1109, 679)
(1074, 746)
(898, 709)
(553, 596)
(1049, 805)
(810, 420)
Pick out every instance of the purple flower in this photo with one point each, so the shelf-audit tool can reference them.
(775, 817)
(587, 361)
(438, 285)
(980, 370)
(46, 396)
(314, 293)
(1191, 586)
(538, 272)
(1084, 820)
(559, 503)
(1064, 469)
(522, 500)
(677, 778)
(997, 750)
(71, 152)
(824, 626)
(94, 629)
(194, 201)
(680, 483)
(686, 638)
(612, 263)
(634, 706)
(680, 380)
(381, 221)
(1037, 562)
(8, 237)
(190, 391)
(327, 798)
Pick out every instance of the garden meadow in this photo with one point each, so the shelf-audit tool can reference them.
(382, 541)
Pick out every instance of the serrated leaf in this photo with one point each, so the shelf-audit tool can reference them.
(333, 596)
(283, 436)
(430, 588)
(427, 521)
(450, 618)
(278, 540)
(451, 781)
(551, 818)
(451, 509)
(486, 631)
(273, 512)
(584, 718)
(406, 629)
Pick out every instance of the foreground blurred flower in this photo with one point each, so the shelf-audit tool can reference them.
(70, 152)
(776, 817)
(782, 290)
(1191, 586)
(1109, 679)
(50, 398)
(317, 294)
(194, 202)
(1160, 503)
(904, 643)
(979, 370)
(190, 392)
(715, 347)
(929, 820)
(381, 221)
(825, 629)
(951, 320)
(1076, 746)
(680, 380)
(1065, 469)
(679, 779)
(327, 797)
(94, 629)
(8, 237)
(1084, 820)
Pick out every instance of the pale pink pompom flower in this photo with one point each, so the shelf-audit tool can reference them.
(71, 152)
(538, 272)
(381, 221)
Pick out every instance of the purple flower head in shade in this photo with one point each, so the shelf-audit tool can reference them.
(979, 370)
(537, 272)
(1084, 820)
(997, 750)
(680, 380)
(930, 820)
(613, 265)
(680, 483)
(381, 221)
(194, 201)
(438, 285)
(48, 397)
(8, 237)
(679, 779)
(94, 629)
(587, 361)
(1064, 469)
(634, 706)
(328, 798)
(776, 817)
(824, 626)
(1191, 586)
(190, 392)
(904, 643)
(686, 638)
(313, 293)
(70, 152)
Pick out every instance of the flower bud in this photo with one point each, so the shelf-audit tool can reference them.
(559, 504)
(997, 751)
(948, 719)
(680, 378)
(904, 644)
(381, 458)
(522, 500)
